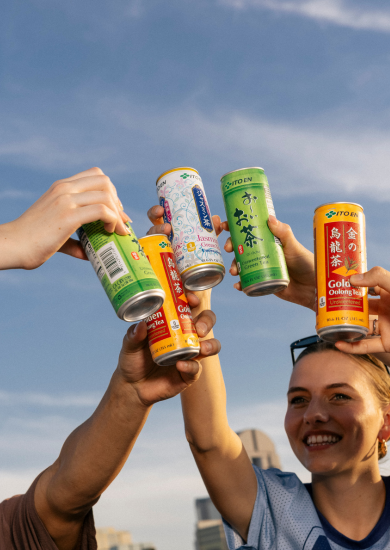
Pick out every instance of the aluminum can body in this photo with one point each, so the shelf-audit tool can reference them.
(171, 331)
(123, 270)
(340, 251)
(198, 256)
(259, 254)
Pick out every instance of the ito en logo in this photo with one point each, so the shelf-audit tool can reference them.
(184, 176)
(330, 213)
(162, 244)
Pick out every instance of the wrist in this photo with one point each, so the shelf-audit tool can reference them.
(11, 253)
(125, 392)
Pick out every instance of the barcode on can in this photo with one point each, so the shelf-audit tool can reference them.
(91, 253)
(112, 262)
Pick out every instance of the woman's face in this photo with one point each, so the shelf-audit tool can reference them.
(333, 416)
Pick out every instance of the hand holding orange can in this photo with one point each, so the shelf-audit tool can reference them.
(340, 251)
(171, 331)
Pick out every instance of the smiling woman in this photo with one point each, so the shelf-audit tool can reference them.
(337, 422)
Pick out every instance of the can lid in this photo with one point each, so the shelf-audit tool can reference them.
(174, 170)
(153, 235)
(240, 169)
(339, 202)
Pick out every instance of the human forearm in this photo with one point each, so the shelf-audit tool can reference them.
(204, 403)
(218, 451)
(95, 452)
(11, 252)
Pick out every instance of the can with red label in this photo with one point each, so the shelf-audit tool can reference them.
(340, 251)
(171, 332)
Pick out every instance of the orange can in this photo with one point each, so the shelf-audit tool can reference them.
(171, 331)
(340, 251)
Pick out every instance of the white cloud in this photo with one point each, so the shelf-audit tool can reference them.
(12, 399)
(337, 12)
(300, 158)
(15, 194)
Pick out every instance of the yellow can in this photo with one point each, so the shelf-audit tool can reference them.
(340, 251)
(171, 332)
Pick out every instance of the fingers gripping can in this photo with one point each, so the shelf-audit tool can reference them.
(193, 237)
(259, 255)
(340, 251)
(171, 331)
(124, 271)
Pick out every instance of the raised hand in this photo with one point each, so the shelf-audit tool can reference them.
(46, 227)
(300, 264)
(153, 383)
(379, 309)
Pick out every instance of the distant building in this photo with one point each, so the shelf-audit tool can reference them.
(210, 535)
(110, 539)
(209, 528)
(260, 449)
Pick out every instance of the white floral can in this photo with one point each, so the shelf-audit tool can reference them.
(194, 241)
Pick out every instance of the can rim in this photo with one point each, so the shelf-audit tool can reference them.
(174, 170)
(239, 170)
(339, 202)
(153, 235)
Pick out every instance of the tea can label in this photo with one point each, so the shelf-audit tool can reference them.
(340, 250)
(193, 237)
(119, 262)
(248, 204)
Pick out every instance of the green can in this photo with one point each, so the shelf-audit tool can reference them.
(259, 254)
(124, 271)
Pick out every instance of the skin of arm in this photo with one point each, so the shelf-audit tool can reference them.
(96, 451)
(218, 451)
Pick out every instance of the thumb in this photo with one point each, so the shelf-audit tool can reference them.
(284, 233)
(377, 276)
(189, 371)
(135, 338)
(72, 247)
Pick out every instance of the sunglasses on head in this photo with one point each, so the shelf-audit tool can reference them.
(310, 341)
(303, 343)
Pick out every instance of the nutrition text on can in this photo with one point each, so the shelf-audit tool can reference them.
(171, 331)
(198, 256)
(340, 251)
(123, 270)
(259, 255)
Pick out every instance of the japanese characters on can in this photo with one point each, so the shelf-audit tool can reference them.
(171, 331)
(259, 254)
(340, 249)
(193, 237)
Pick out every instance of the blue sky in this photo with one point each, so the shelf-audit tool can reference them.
(137, 87)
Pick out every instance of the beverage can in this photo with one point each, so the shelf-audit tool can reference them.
(259, 254)
(340, 251)
(194, 241)
(171, 332)
(123, 270)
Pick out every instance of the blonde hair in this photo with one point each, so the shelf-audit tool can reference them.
(376, 370)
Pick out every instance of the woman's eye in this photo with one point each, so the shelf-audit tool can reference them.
(340, 396)
(297, 400)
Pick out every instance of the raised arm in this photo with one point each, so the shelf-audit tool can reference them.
(46, 227)
(218, 451)
(96, 451)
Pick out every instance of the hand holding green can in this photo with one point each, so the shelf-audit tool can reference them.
(259, 254)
